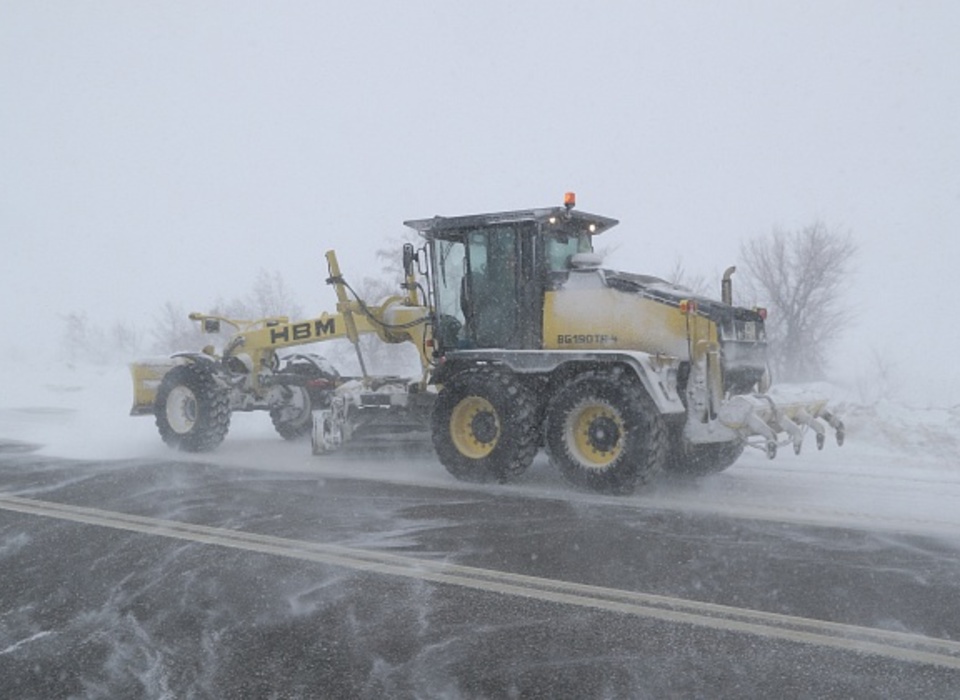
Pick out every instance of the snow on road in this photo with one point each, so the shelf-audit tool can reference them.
(898, 470)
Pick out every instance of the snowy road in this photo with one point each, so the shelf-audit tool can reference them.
(261, 569)
(898, 472)
(168, 579)
(894, 645)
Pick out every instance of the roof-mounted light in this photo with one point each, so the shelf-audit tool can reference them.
(569, 200)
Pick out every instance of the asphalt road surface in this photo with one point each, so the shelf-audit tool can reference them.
(167, 579)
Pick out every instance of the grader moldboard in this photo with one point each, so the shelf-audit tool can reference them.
(525, 342)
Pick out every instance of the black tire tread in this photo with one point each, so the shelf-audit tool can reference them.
(646, 451)
(690, 460)
(519, 440)
(213, 405)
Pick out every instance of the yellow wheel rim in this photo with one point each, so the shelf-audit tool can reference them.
(595, 434)
(474, 427)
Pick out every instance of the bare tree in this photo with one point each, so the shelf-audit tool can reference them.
(126, 339)
(800, 276)
(81, 340)
(270, 297)
(679, 276)
(173, 331)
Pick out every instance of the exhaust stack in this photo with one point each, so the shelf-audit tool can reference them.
(726, 286)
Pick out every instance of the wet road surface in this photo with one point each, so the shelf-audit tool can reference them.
(169, 579)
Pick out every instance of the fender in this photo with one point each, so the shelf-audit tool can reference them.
(657, 373)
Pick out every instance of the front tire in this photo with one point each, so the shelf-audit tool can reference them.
(192, 410)
(605, 434)
(484, 426)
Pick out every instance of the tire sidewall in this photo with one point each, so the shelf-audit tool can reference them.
(212, 409)
(642, 449)
(692, 461)
(513, 406)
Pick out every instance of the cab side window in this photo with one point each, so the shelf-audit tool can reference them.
(491, 289)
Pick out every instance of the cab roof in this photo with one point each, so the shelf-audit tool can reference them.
(564, 218)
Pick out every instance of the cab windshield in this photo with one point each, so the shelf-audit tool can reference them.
(562, 246)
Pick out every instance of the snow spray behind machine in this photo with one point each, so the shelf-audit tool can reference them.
(525, 342)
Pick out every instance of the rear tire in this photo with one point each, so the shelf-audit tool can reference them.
(484, 426)
(691, 460)
(192, 411)
(605, 434)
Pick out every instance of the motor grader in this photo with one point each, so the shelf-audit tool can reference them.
(526, 342)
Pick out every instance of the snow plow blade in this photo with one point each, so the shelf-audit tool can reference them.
(147, 376)
(768, 417)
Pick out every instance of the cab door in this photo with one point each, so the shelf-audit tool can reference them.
(502, 308)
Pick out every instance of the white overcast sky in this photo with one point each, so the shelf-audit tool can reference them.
(167, 151)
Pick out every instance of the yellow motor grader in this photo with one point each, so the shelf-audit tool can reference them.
(526, 342)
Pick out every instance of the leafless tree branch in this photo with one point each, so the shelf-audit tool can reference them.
(801, 277)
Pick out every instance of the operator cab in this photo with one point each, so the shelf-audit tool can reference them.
(489, 272)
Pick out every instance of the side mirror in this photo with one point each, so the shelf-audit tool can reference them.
(408, 258)
(211, 325)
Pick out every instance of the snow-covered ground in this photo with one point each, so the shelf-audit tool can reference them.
(899, 469)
